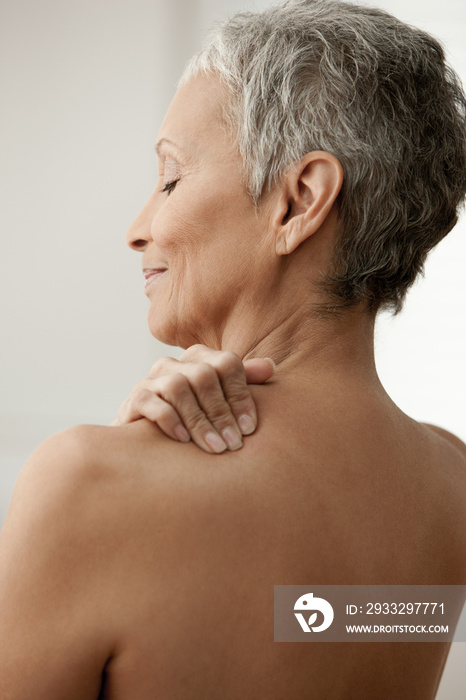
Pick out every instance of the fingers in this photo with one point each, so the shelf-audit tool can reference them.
(231, 374)
(164, 365)
(172, 403)
(258, 370)
(240, 415)
(144, 403)
(200, 403)
(204, 396)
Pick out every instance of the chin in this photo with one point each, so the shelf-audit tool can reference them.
(167, 331)
(162, 333)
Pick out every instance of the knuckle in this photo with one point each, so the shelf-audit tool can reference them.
(192, 352)
(164, 412)
(161, 366)
(221, 416)
(196, 422)
(175, 386)
(230, 363)
(177, 381)
(157, 365)
(141, 397)
(204, 374)
(136, 388)
(240, 396)
(241, 402)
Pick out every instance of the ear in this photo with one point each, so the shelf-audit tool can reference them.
(308, 192)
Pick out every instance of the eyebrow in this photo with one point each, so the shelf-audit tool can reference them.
(160, 143)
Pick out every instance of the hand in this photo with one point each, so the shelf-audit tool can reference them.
(203, 397)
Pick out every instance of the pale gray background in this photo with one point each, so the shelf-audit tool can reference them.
(84, 87)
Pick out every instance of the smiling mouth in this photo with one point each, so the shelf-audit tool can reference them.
(152, 274)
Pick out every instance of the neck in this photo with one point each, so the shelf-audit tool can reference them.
(304, 343)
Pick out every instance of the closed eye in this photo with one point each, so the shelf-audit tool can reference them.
(170, 186)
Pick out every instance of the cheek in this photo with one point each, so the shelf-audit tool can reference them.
(190, 222)
(181, 233)
(170, 231)
(206, 236)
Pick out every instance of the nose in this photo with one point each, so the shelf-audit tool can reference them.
(139, 233)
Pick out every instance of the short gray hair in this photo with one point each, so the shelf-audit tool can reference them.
(375, 92)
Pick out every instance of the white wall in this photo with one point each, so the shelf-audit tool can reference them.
(84, 88)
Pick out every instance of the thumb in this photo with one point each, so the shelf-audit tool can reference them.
(258, 370)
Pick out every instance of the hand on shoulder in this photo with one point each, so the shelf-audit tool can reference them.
(204, 397)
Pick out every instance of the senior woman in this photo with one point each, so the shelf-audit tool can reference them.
(312, 156)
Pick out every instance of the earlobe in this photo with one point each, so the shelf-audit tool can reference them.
(281, 247)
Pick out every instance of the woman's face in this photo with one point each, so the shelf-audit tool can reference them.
(207, 254)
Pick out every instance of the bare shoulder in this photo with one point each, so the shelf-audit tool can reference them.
(452, 439)
(86, 474)
(90, 455)
(53, 471)
(115, 482)
(74, 496)
(55, 557)
(447, 455)
(61, 497)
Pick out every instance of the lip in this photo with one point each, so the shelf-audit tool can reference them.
(151, 274)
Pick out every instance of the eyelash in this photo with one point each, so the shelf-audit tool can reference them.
(170, 186)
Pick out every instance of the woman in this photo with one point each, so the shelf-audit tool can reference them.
(312, 156)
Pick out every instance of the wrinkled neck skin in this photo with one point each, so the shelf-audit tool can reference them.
(303, 343)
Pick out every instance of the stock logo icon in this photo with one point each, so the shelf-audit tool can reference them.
(308, 603)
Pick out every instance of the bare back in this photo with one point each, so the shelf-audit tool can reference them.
(330, 490)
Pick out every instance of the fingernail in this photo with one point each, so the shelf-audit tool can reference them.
(271, 362)
(215, 442)
(246, 424)
(181, 433)
(232, 439)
